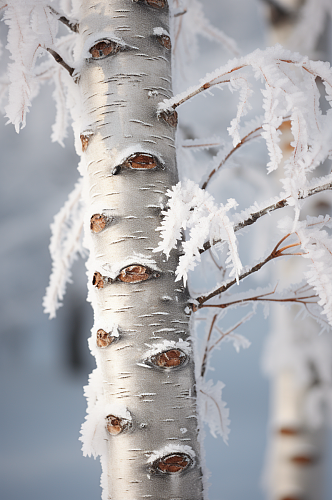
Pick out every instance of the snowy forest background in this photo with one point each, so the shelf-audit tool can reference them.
(44, 364)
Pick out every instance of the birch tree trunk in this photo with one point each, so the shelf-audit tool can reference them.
(142, 416)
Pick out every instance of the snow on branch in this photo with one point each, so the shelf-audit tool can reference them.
(64, 246)
(192, 208)
(253, 214)
(315, 295)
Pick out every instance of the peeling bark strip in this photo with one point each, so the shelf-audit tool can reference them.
(129, 166)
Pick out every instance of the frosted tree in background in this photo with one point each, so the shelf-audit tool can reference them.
(295, 464)
(113, 73)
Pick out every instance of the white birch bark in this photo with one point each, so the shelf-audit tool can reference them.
(142, 416)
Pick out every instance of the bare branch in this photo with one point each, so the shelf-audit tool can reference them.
(271, 208)
(73, 26)
(177, 14)
(244, 140)
(204, 360)
(60, 61)
(305, 300)
(276, 252)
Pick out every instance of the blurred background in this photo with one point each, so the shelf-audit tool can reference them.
(44, 364)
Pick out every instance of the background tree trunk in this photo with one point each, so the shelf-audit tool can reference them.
(296, 453)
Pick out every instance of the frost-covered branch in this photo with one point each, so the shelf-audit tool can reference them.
(195, 209)
(270, 59)
(64, 246)
(281, 203)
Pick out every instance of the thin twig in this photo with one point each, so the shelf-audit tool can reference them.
(310, 299)
(218, 80)
(235, 327)
(243, 141)
(250, 136)
(184, 11)
(276, 252)
(203, 368)
(60, 61)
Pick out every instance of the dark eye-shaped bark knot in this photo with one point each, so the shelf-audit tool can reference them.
(136, 273)
(169, 359)
(141, 161)
(104, 48)
(173, 463)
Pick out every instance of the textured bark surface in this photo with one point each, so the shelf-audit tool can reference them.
(129, 163)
